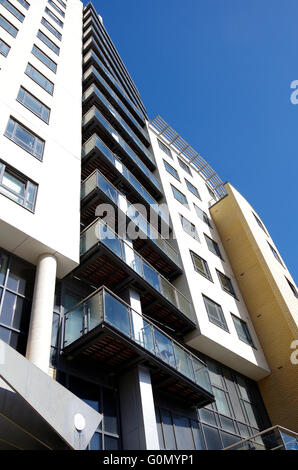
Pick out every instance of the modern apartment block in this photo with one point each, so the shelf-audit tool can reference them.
(129, 273)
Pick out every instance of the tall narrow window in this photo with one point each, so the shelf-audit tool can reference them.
(215, 313)
(193, 189)
(25, 138)
(171, 170)
(213, 246)
(184, 166)
(44, 58)
(179, 196)
(260, 223)
(200, 265)
(5, 24)
(242, 330)
(17, 187)
(48, 42)
(4, 48)
(189, 228)
(33, 104)
(226, 283)
(275, 254)
(202, 215)
(40, 79)
(164, 148)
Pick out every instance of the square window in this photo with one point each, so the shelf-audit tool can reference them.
(200, 265)
(179, 196)
(226, 283)
(215, 313)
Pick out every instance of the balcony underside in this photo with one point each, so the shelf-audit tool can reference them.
(96, 160)
(100, 266)
(94, 127)
(145, 247)
(117, 353)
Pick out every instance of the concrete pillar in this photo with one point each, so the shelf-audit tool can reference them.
(139, 428)
(40, 331)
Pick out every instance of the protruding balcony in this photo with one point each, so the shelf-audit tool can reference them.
(96, 154)
(94, 122)
(97, 189)
(275, 438)
(96, 71)
(112, 116)
(108, 259)
(105, 329)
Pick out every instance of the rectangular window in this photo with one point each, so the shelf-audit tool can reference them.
(54, 17)
(292, 287)
(40, 79)
(24, 3)
(17, 187)
(34, 105)
(215, 313)
(51, 28)
(13, 10)
(184, 166)
(171, 170)
(179, 196)
(200, 265)
(25, 138)
(56, 8)
(8, 26)
(260, 223)
(213, 246)
(192, 189)
(226, 283)
(62, 3)
(4, 48)
(203, 216)
(275, 254)
(164, 148)
(48, 42)
(210, 191)
(189, 228)
(44, 58)
(242, 330)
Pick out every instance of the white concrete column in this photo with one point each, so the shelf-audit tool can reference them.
(40, 330)
(139, 428)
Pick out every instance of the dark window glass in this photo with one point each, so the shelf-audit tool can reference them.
(4, 48)
(34, 105)
(215, 313)
(62, 3)
(227, 424)
(214, 373)
(17, 187)
(213, 246)
(111, 443)
(159, 429)
(164, 148)
(48, 42)
(25, 138)
(8, 308)
(260, 223)
(20, 278)
(184, 166)
(54, 17)
(212, 438)
(168, 431)
(193, 189)
(275, 254)
(226, 283)
(88, 392)
(13, 10)
(55, 330)
(292, 287)
(179, 196)
(51, 28)
(96, 442)
(200, 265)
(40, 79)
(171, 170)
(210, 191)
(229, 439)
(56, 8)
(198, 436)
(110, 412)
(44, 59)
(242, 330)
(5, 24)
(221, 400)
(3, 267)
(189, 228)
(4, 334)
(203, 216)
(252, 414)
(207, 416)
(183, 433)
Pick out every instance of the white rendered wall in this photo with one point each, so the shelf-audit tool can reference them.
(54, 228)
(210, 339)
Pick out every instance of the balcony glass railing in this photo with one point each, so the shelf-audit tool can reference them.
(109, 89)
(96, 142)
(121, 121)
(275, 438)
(99, 232)
(97, 180)
(97, 38)
(94, 113)
(104, 306)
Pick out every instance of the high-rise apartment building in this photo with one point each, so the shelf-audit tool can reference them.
(129, 273)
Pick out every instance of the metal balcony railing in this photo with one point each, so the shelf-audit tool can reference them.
(105, 307)
(97, 180)
(275, 438)
(99, 232)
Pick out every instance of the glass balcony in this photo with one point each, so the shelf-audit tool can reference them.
(96, 143)
(92, 114)
(103, 307)
(275, 438)
(95, 36)
(99, 232)
(121, 124)
(97, 180)
(109, 90)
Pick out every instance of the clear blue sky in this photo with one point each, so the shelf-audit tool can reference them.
(219, 72)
